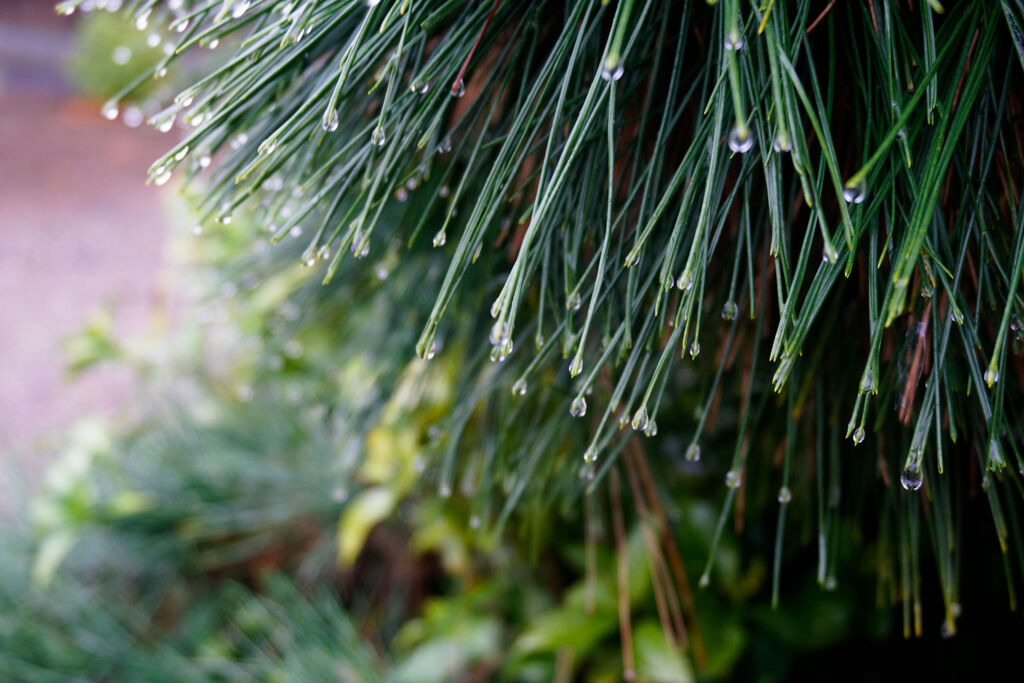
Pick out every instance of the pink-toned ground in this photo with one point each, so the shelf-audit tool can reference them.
(78, 228)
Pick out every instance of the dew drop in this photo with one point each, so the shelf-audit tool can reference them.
(733, 479)
(110, 111)
(378, 137)
(329, 122)
(224, 218)
(590, 455)
(519, 388)
(435, 346)
(740, 141)
(612, 70)
(197, 230)
(474, 522)
(734, 41)
(781, 144)
(694, 349)
(214, 44)
(574, 302)
(66, 9)
(440, 238)
(204, 160)
(578, 407)
(651, 429)
(785, 495)
(122, 55)
(576, 366)
(867, 382)
(182, 153)
(166, 125)
(445, 146)
(445, 491)
(162, 178)
(991, 376)
(685, 281)
(267, 146)
(704, 581)
(855, 194)
(730, 310)
(693, 453)
(443, 191)
(141, 22)
(162, 72)
(858, 435)
(912, 478)
(239, 8)
(458, 88)
(640, 419)
(133, 117)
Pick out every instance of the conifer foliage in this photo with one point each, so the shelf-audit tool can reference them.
(788, 234)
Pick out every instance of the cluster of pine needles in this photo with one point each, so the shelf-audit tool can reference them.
(788, 234)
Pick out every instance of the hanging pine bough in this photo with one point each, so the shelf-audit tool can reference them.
(619, 182)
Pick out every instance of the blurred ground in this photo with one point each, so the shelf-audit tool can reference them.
(78, 228)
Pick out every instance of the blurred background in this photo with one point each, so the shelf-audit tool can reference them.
(81, 230)
(208, 461)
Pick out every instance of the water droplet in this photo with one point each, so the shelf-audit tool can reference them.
(694, 349)
(948, 629)
(785, 495)
(296, 231)
(651, 429)
(991, 376)
(867, 382)
(204, 160)
(574, 302)
(576, 366)
(693, 453)
(730, 310)
(733, 479)
(66, 9)
(401, 194)
(858, 435)
(734, 41)
(612, 69)
(704, 581)
(239, 8)
(519, 388)
(781, 144)
(504, 350)
(180, 26)
(741, 140)
(640, 419)
(165, 125)
(445, 146)
(474, 522)
(855, 194)
(110, 111)
(182, 153)
(197, 229)
(141, 22)
(912, 478)
(122, 55)
(578, 407)
(362, 249)
(162, 177)
(133, 117)
(831, 584)
(440, 238)
(458, 88)
(378, 137)
(224, 218)
(590, 455)
(445, 491)
(267, 146)
(685, 281)
(330, 121)
(435, 346)
(214, 44)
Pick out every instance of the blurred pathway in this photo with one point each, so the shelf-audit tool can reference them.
(78, 228)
